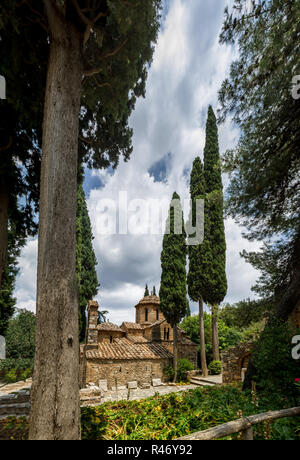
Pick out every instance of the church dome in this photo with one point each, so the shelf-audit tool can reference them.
(149, 300)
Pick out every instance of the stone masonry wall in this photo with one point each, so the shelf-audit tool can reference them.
(124, 371)
(234, 361)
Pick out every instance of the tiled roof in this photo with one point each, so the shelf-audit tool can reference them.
(132, 326)
(108, 327)
(156, 323)
(150, 299)
(123, 349)
(137, 338)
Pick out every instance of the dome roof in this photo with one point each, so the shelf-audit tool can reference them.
(149, 300)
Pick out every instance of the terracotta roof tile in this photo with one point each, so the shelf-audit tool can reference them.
(151, 299)
(132, 325)
(137, 338)
(123, 349)
(108, 327)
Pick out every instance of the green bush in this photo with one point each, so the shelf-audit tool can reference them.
(184, 365)
(215, 367)
(16, 369)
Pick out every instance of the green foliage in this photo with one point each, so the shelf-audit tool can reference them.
(20, 336)
(246, 312)
(173, 300)
(228, 337)
(172, 416)
(15, 370)
(7, 301)
(214, 196)
(215, 367)
(184, 365)
(85, 260)
(146, 291)
(200, 256)
(275, 369)
(264, 193)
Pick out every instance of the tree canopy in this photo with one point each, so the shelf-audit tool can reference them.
(264, 193)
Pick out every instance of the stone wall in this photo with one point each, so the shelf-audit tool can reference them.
(124, 371)
(295, 318)
(235, 362)
(105, 336)
(185, 351)
(154, 313)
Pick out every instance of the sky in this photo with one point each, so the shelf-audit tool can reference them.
(188, 68)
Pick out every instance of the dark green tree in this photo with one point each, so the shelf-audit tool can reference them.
(7, 300)
(154, 290)
(214, 196)
(102, 315)
(146, 291)
(86, 261)
(99, 55)
(173, 298)
(20, 336)
(200, 259)
(264, 193)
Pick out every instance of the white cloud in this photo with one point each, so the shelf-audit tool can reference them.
(188, 69)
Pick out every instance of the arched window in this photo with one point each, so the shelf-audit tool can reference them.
(168, 334)
(146, 314)
(157, 315)
(111, 339)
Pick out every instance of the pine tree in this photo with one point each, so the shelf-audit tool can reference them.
(85, 260)
(200, 258)
(146, 291)
(173, 299)
(214, 197)
(7, 301)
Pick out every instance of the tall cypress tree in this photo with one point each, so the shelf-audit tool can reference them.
(173, 299)
(85, 260)
(146, 291)
(200, 258)
(214, 197)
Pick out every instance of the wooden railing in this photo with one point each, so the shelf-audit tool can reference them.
(242, 425)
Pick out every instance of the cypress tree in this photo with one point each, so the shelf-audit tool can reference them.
(85, 260)
(214, 196)
(173, 299)
(154, 291)
(200, 258)
(146, 291)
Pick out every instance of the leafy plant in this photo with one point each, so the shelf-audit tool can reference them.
(215, 367)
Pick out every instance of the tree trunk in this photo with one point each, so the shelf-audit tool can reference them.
(215, 333)
(55, 413)
(202, 340)
(175, 352)
(3, 228)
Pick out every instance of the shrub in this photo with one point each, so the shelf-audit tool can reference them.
(184, 365)
(17, 369)
(11, 376)
(215, 367)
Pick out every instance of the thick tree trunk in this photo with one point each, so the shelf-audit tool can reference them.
(202, 339)
(175, 352)
(55, 413)
(3, 228)
(215, 333)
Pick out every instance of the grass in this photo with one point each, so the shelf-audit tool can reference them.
(171, 416)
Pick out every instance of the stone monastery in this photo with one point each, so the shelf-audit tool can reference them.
(137, 351)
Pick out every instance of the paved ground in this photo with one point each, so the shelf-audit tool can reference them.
(13, 387)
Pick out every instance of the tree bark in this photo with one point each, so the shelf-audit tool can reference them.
(55, 413)
(175, 352)
(3, 228)
(215, 334)
(202, 340)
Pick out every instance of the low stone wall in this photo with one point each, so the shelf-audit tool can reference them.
(15, 405)
(235, 362)
(124, 371)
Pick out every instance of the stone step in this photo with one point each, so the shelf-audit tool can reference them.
(12, 410)
(202, 382)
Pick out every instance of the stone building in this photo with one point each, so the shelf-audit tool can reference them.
(133, 351)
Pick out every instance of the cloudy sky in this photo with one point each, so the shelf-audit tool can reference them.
(169, 132)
